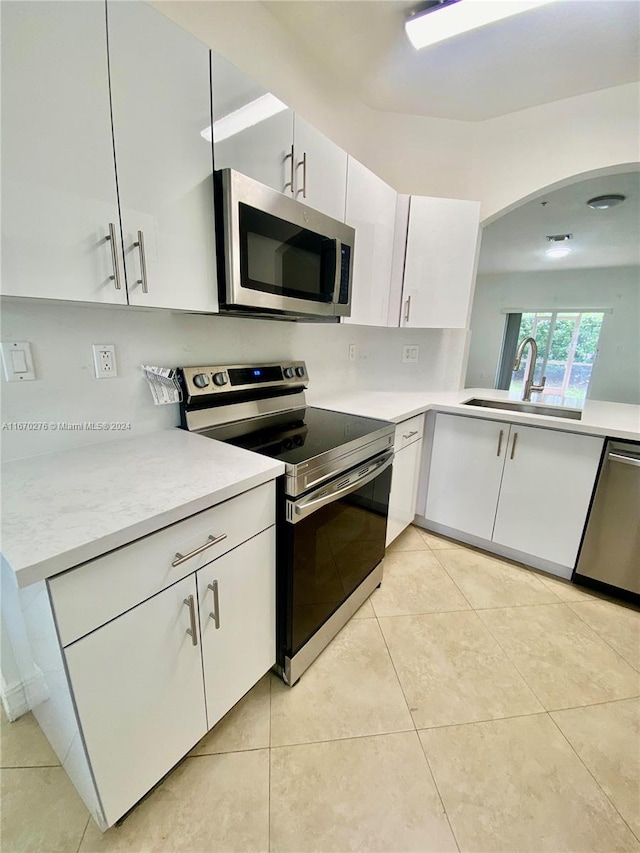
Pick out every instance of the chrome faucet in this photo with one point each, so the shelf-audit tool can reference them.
(528, 382)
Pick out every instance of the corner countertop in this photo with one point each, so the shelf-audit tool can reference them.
(616, 420)
(61, 509)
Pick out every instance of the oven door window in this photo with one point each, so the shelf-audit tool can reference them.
(334, 550)
(284, 259)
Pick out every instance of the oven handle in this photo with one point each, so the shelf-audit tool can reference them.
(338, 276)
(301, 509)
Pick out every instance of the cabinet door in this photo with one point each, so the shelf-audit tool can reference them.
(404, 489)
(238, 621)
(262, 152)
(545, 494)
(321, 170)
(58, 179)
(440, 264)
(160, 86)
(371, 210)
(467, 459)
(137, 684)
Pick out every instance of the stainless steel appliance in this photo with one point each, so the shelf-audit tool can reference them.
(333, 498)
(610, 551)
(278, 256)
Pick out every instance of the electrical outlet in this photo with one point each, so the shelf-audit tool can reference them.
(410, 354)
(104, 360)
(353, 352)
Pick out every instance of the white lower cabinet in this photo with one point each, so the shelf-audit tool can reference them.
(137, 685)
(237, 619)
(523, 488)
(406, 473)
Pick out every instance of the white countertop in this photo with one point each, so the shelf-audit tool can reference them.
(61, 509)
(617, 420)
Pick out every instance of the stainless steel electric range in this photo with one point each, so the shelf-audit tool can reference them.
(333, 500)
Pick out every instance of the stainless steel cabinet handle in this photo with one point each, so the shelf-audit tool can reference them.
(409, 434)
(290, 181)
(215, 614)
(143, 263)
(211, 541)
(626, 460)
(303, 163)
(500, 437)
(513, 445)
(111, 237)
(407, 309)
(193, 630)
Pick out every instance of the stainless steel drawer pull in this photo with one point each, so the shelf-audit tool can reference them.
(500, 437)
(193, 630)
(626, 460)
(513, 446)
(303, 163)
(211, 541)
(143, 263)
(215, 613)
(407, 310)
(289, 183)
(410, 434)
(111, 238)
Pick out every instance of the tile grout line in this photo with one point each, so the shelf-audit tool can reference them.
(432, 774)
(386, 645)
(604, 639)
(29, 766)
(84, 832)
(588, 769)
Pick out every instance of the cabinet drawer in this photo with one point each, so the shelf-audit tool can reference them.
(90, 595)
(409, 431)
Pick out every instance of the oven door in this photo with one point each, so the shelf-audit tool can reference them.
(333, 540)
(281, 255)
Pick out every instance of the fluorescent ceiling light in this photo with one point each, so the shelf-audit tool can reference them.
(252, 113)
(442, 21)
(558, 252)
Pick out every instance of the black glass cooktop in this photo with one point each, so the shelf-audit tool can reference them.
(300, 435)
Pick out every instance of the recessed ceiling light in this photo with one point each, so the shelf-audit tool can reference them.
(604, 202)
(252, 113)
(437, 20)
(558, 252)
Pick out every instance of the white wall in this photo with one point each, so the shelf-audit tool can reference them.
(66, 389)
(616, 373)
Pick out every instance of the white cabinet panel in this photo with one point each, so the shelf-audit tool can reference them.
(262, 152)
(238, 621)
(545, 494)
(58, 180)
(404, 489)
(161, 102)
(320, 171)
(371, 210)
(440, 264)
(467, 459)
(137, 684)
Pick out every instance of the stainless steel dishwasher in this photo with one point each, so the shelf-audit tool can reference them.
(611, 547)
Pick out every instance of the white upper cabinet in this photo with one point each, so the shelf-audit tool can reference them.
(161, 102)
(320, 170)
(546, 488)
(440, 265)
(58, 181)
(371, 210)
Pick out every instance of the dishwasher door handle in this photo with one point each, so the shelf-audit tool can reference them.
(626, 460)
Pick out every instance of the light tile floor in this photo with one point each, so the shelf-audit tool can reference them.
(470, 704)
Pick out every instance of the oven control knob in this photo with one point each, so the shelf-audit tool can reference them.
(288, 372)
(299, 371)
(220, 378)
(201, 380)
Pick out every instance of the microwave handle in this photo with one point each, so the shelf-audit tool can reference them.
(338, 276)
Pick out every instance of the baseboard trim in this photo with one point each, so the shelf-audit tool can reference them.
(14, 700)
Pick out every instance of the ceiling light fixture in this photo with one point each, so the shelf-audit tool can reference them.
(558, 252)
(252, 113)
(424, 27)
(604, 202)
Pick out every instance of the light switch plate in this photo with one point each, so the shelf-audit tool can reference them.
(410, 354)
(17, 361)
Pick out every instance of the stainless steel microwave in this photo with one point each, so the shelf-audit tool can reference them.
(277, 256)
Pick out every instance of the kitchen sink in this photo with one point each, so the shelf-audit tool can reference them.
(527, 408)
